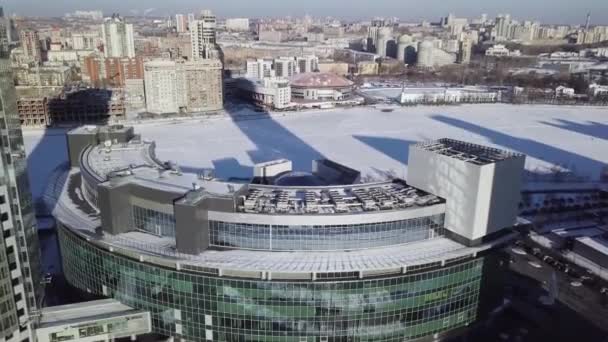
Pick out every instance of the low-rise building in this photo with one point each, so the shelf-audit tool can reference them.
(596, 90)
(412, 96)
(500, 50)
(320, 86)
(95, 321)
(272, 93)
(562, 91)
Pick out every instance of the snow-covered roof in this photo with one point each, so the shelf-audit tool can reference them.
(319, 80)
(471, 153)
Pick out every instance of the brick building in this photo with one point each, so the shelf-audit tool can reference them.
(113, 71)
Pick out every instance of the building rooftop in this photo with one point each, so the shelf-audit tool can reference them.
(344, 199)
(468, 152)
(598, 243)
(134, 162)
(103, 161)
(93, 310)
(71, 211)
(319, 80)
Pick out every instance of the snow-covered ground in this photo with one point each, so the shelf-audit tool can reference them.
(46, 150)
(364, 138)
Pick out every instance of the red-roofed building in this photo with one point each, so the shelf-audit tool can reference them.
(320, 86)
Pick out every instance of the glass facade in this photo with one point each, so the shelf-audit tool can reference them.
(20, 248)
(8, 316)
(152, 221)
(200, 307)
(337, 237)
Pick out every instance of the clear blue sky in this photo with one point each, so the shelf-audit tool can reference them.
(548, 11)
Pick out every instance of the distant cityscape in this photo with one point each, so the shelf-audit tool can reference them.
(85, 67)
(489, 237)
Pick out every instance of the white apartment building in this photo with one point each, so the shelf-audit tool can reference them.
(203, 37)
(309, 63)
(562, 91)
(117, 37)
(259, 69)
(181, 23)
(500, 50)
(84, 40)
(270, 92)
(598, 90)
(160, 83)
(285, 67)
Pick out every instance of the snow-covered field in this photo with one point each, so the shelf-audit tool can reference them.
(364, 138)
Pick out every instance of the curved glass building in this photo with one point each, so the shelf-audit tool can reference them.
(339, 260)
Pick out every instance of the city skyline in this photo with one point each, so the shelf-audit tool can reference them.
(562, 11)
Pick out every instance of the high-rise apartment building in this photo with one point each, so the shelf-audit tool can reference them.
(309, 63)
(20, 282)
(8, 25)
(183, 86)
(181, 23)
(203, 36)
(259, 68)
(30, 43)
(160, 84)
(373, 34)
(191, 19)
(285, 67)
(117, 37)
(466, 49)
(502, 27)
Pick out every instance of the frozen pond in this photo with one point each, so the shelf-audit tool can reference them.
(364, 138)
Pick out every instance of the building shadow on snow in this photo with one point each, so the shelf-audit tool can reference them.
(590, 128)
(397, 149)
(272, 139)
(532, 148)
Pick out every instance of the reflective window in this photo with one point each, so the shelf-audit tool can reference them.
(393, 308)
(338, 237)
(153, 222)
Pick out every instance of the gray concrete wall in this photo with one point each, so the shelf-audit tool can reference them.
(76, 144)
(114, 204)
(480, 199)
(192, 222)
